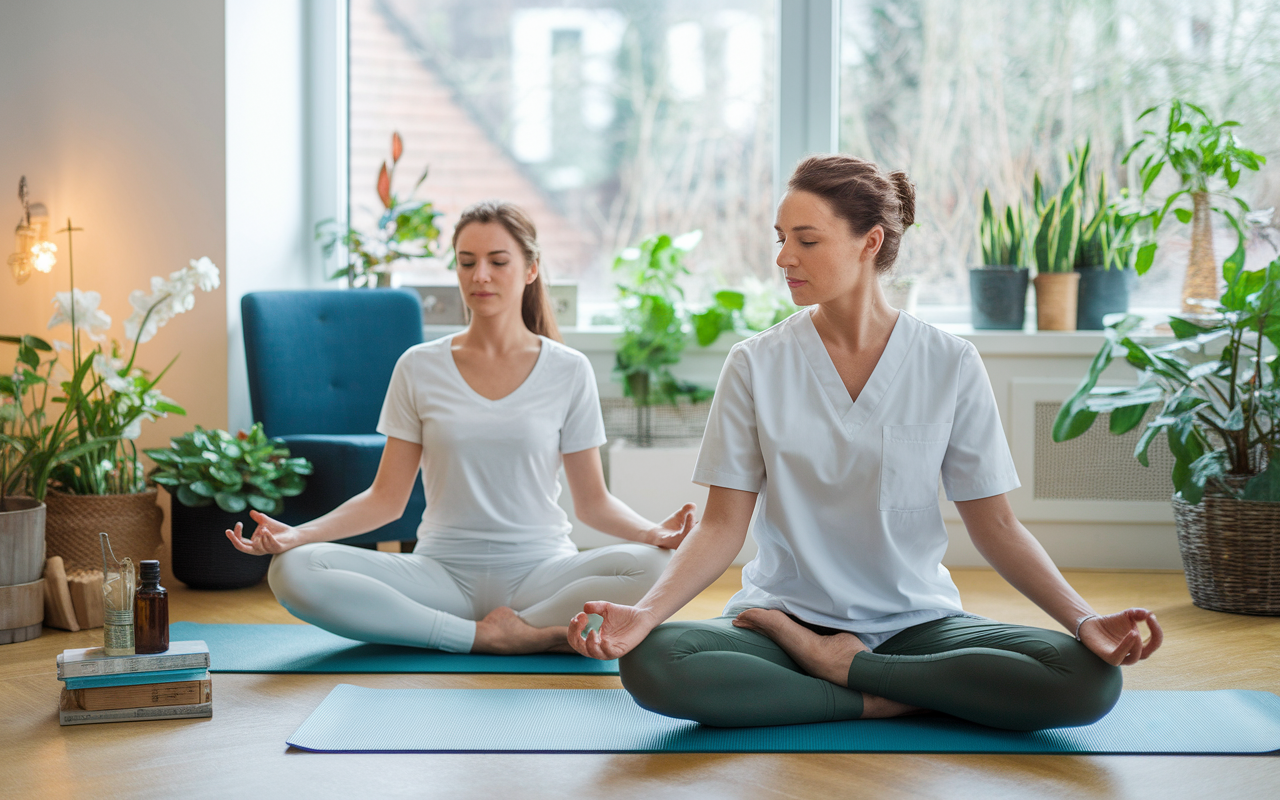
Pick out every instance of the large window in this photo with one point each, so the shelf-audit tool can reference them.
(607, 120)
(613, 119)
(983, 93)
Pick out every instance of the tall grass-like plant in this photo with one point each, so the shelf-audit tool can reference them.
(1003, 237)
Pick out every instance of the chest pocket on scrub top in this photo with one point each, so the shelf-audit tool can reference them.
(910, 465)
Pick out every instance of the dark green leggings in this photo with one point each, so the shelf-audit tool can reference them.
(1005, 676)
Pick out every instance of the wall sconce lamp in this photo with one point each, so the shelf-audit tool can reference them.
(32, 249)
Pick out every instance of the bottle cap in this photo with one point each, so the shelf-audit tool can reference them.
(150, 570)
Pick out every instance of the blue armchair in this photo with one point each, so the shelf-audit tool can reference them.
(319, 363)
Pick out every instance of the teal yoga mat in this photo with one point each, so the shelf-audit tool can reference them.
(306, 648)
(353, 719)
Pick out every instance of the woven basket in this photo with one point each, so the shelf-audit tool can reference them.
(73, 522)
(1231, 553)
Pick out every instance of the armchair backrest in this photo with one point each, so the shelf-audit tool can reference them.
(320, 361)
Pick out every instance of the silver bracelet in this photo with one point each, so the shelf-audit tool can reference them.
(1082, 621)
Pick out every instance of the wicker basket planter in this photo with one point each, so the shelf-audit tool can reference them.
(74, 521)
(202, 556)
(1231, 553)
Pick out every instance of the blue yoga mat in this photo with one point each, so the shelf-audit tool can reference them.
(353, 719)
(306, 648)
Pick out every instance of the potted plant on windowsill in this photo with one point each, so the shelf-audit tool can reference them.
(1205, 155)
(406, 229)
(1054, 249)
(998, 288)
(1221, 416)
(214, 479)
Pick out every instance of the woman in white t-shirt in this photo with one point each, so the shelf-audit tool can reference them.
(835, 426)
(489, 414)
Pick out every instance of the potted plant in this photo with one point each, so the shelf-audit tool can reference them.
(405, 230)
(82, 461)
(1107, 249)
(21, 517)
(654, 326)
(214, 479)
(998, 288)
(1205, 155)
(1221, 416)
(1054, 249)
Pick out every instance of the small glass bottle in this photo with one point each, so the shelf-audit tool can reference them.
(117, 601)
(150, 612)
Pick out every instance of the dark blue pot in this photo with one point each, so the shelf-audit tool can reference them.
(202, 556)
(1102, 292)
(998, 298)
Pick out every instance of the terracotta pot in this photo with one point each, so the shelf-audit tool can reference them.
(21, 565)
(1056, 296)
(74, 522)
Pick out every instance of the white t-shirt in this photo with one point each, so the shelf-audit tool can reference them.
(490, 468)
(848, 525)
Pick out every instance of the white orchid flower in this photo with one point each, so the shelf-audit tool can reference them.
(206, 274)
(168, 298)
(110, 374)
(88, 317)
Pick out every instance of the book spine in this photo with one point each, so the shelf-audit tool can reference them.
(150, 695)
(117, 666)
(131, 714)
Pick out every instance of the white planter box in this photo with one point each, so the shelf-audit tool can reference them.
(655, 481)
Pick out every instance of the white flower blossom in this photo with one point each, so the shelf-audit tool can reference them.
(61, 346)
(88, 317)
(110, 374)
(168, 298)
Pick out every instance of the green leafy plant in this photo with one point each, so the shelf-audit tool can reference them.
(753, 308)
(653, 324)
(1114, 232)
(406, 229)
(247, 470)
(1221, 415)
(1002, 237)
(1205, 155)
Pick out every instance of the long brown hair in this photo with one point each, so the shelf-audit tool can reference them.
(862, 195)
(535, 306)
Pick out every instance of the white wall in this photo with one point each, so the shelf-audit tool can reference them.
(115, 113)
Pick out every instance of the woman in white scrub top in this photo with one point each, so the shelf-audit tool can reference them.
(835, 426)
(489, 415)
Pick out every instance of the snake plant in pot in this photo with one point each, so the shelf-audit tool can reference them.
(1054, 248)
(998, 288)
(1216, 393)
(215, 478)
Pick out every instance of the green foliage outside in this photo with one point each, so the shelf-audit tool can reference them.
(247, 470)
(1221, 415)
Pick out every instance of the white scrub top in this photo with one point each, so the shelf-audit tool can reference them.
(848, 524)
(490, 468)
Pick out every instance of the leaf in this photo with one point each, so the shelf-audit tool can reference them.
(384, 187)
(729, 298)
(1265, 486)
(1144, 443)
(397, 147)
(1183, 215)
(231, 503)
(190, 499)
(264, 504)
(1127, 418)
(203, 488)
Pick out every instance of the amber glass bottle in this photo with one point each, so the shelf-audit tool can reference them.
(150, 612)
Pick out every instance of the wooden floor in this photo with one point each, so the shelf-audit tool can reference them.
(241, 751)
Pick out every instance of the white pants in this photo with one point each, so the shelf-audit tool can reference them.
(433, 600)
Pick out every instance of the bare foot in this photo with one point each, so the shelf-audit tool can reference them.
(503, 632)
(825, 657)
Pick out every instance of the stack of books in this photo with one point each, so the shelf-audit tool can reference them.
(100, 688)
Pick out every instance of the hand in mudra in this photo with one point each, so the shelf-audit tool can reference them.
(270, 537)
(1117, 639)
(674, 528)
(623, 628)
